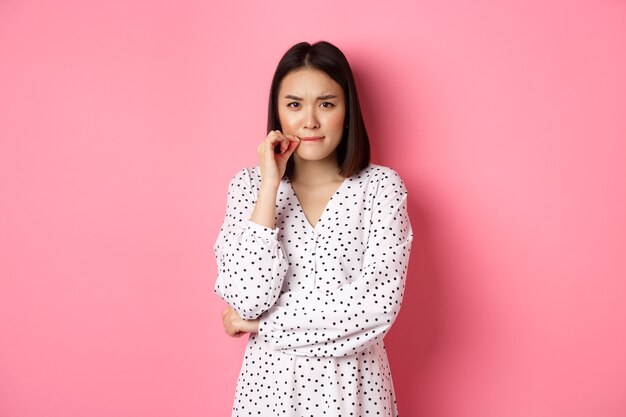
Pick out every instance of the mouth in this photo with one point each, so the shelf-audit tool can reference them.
(311, 138)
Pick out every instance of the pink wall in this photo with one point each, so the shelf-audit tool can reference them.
(121, 123)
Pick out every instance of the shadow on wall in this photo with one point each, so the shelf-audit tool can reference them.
(395, 121)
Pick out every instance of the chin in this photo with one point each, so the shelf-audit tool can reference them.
(312, 156)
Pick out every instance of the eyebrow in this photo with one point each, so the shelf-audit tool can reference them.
(325, 97)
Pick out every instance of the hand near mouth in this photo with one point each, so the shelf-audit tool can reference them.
(274, 153)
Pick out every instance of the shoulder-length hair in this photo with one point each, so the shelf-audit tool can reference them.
(353, 152)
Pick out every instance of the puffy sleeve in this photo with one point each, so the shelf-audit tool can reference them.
(250, 259)
(350, 318)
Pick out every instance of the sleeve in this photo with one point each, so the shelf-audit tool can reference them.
(347, 320)
(250, 259)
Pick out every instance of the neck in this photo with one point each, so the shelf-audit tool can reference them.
(315, 172)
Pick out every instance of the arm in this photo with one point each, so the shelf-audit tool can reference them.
(351, 318)
(250, 259)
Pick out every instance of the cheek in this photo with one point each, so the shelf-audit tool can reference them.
(287, 120)
(335, 120)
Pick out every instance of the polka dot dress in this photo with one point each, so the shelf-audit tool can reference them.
(325, 295)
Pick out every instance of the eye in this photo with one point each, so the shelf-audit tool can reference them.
(327, 104)
(293, 104)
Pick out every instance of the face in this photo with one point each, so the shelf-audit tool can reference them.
(311, 105)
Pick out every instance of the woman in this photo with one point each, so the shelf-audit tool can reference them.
(313, 251)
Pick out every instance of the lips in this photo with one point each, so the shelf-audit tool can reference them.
(311, 138)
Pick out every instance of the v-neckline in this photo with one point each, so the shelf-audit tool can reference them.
(328, 203)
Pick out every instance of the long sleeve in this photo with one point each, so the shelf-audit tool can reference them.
(350, 318)
(250, 259)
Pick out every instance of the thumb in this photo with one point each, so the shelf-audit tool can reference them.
(294, 142)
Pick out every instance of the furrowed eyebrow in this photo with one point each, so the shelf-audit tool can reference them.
(326, 97)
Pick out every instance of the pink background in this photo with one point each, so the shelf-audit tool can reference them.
(121, 123)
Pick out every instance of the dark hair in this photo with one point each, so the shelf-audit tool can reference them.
(353, 152)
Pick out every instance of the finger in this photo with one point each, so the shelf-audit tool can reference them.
(270, 138)
(229, 328)
(285, 143)
(281, 143)
(293, 141)
(274, 134)
(234, 314)
(274, 144)
(293, 145)
(235, 331)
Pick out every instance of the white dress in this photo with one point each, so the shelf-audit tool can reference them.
(325, 295)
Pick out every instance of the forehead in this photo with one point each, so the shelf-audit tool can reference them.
(311, 81)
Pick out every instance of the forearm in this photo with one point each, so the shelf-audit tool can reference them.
(264, 212)
(316, 324)
(251, 268)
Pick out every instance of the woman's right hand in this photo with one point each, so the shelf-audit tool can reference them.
(271, 164)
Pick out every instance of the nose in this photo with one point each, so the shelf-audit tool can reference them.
(311, 121)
